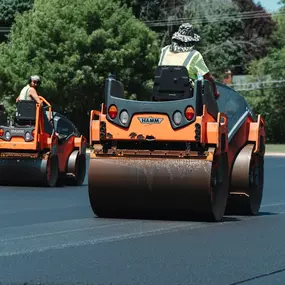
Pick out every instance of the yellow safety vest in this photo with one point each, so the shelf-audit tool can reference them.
(24, 95)
(192, 60)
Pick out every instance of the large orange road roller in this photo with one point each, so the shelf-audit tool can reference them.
(181, 152)
(41, 147)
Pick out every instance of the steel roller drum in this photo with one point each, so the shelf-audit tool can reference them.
(246, 187)
(128, 185)
(26, 171)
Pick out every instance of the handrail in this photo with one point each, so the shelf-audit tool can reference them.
(48, 104)
(45, 101)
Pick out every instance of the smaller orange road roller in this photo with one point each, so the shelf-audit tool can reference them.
(181, 152)
(41, 147)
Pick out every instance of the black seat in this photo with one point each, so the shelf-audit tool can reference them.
(171, 83)
(26, 112)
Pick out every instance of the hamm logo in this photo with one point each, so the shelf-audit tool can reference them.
(17, 131)
(150, 120)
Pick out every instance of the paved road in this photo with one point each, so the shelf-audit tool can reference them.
(50, 236)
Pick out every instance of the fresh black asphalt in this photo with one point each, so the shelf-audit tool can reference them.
(51, 236)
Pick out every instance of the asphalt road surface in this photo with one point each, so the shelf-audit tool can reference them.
(51, 236)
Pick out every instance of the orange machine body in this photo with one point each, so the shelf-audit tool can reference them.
(183, 145)
(39, 138)
(212, 132)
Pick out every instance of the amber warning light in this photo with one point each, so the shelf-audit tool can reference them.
(113, 111)
(189, 113)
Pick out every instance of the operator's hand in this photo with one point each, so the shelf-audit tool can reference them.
(217, 95)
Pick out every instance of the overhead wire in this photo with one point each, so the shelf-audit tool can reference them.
(214, 18)
(201, 20)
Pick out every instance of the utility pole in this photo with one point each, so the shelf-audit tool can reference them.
(5, 30)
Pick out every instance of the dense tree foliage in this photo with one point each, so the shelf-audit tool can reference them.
(256, 32)
(270, 101)
(73, 46)
(9, 8)
(232, 32)
(220, 35)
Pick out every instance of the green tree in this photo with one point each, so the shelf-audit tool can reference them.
(270, 100)
(256, 34)
(73, 46)
(9, 8)
(231, 33)
(8, 11)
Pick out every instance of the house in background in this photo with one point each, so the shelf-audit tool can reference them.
(247, 83)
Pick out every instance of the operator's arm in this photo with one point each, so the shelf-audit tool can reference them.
(209, 77)
(34, 95)
(202, 69)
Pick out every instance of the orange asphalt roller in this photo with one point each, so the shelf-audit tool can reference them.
(41, 147)
(181, 152)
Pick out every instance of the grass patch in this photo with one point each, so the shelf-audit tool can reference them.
(275, 148)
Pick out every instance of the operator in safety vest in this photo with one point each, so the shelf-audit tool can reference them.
(29, 92)
(182, 52)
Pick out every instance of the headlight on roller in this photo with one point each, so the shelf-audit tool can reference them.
(177, 118)
(8, 135)
(124, 117)
(27, 136)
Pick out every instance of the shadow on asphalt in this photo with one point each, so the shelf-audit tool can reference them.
(267, 214)
(182, 217)
(38, 186)
(175, 217)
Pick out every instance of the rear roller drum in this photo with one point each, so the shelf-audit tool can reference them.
(247, 183)
(127, 187)
(42, 171)
(76, 169)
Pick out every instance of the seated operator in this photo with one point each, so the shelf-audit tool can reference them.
(29, 92)
(182, 52)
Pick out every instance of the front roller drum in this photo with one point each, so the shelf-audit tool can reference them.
(246, 189)
(121, 187)
(29, 171)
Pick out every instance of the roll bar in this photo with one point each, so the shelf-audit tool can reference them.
(48, 105)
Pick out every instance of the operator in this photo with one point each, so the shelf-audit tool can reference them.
(29, 92)
(182, 52)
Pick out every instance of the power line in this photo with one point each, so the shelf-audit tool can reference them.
(4, 30)
(211, 19)
(179, 21)
(258, 85)
(245, 13)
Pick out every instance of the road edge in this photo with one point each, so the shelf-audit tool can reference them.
(275, 154)
(266, 154)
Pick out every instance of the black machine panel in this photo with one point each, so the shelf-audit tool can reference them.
(142, 107)
(171, 83)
